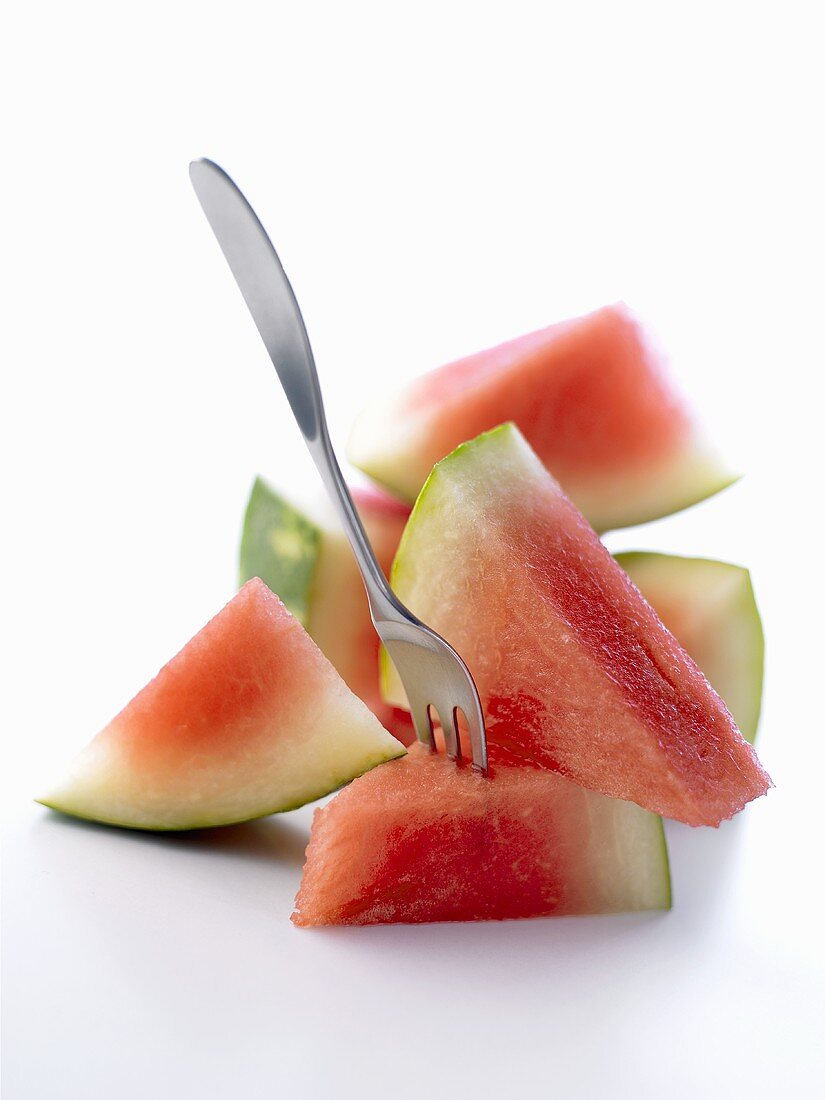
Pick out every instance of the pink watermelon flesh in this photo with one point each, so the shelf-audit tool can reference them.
(424, 840)
(248, 719)
(590, 395)
(576, 671)
(376, 506)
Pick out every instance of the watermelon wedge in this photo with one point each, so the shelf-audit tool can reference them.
(423, 840)
(248, 719)
(709, 606)
(308, 562)
(575, 670)
(590, 395)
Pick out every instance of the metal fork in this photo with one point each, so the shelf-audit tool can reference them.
(433, 674)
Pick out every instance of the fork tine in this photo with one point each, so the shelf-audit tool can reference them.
(423, 723)
(450, 727)
(473, 718)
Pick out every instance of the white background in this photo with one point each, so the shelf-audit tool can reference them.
(436, 177)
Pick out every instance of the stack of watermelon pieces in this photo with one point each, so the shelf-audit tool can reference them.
(616, 690)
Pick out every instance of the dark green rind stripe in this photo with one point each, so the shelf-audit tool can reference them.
(281, 546)
(500, 433)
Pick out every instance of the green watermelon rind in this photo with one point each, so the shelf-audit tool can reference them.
(665, 884)
(216, 823)
(280, 545)
(667, 899)
(745, 605)
(501, 431)
(711, 478)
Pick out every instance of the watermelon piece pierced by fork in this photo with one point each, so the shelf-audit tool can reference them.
(575, 670)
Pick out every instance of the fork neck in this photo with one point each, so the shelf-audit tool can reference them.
(382, 601)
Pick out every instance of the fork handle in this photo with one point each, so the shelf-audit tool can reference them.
(295, 366)
(268, 294)
(299, 378)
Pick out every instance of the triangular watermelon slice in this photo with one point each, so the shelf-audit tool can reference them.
(303, 555)
(248, 719)
(592, 397)
(576, 671)
(424, 840)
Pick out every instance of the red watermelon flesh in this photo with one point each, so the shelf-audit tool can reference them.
(248, 719)
(423, 840)
(576, 671)
(591, 396)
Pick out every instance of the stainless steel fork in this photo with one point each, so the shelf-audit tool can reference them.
(433, 674)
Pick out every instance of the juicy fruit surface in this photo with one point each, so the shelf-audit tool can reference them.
(310, 565)
(575, 670)
(710, 607)
(248, 719)
(591, 397)
(423, 840)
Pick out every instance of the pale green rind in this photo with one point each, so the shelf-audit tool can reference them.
(725, 592)
(281, 546)
(667, 879)
(505, 435)
(630, 864)
(213, 823)
(649, 866)
(709, 478)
